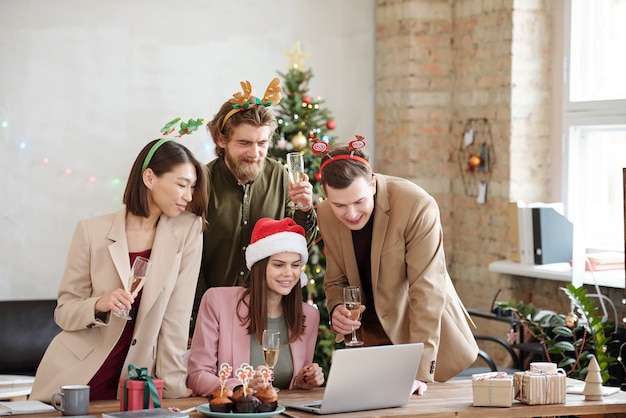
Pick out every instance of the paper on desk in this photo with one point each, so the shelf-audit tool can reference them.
(24, 407)
(143, 413)
(578, 390)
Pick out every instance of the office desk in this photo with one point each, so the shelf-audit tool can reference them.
(450, 399)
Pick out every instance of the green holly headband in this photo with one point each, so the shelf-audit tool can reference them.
(185, 128)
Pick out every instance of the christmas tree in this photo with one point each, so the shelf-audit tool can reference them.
(302, 118)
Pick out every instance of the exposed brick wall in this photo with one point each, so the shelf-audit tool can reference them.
(483, 38)
(530, 101)
(438, 64)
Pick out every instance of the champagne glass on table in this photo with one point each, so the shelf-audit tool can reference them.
(138, 273)
(271, 348)
(352, 302)
(295, 167)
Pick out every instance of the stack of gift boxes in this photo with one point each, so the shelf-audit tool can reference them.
(543, 384)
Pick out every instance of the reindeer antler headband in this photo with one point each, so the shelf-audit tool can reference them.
(241, 102)
(186, 128)
(320, 147)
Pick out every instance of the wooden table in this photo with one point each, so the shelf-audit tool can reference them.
(450, 399)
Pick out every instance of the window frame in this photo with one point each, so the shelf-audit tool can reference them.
(600, 113)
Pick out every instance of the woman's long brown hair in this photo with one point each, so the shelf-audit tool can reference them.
(255, 297)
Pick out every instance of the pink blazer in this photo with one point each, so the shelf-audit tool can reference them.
(220, 338)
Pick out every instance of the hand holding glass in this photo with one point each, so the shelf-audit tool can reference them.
(271, 347)
(295, 167)
(352, 302)
(138, 274)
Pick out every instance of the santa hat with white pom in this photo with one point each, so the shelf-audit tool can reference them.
(270, 237)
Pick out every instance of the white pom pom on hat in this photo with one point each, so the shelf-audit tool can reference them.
(270, 237)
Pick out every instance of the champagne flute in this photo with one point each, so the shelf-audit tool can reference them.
(352, 302)
(271, 348)
(295, 167)
(138, 273)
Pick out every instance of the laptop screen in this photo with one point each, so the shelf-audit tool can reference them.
(367, 378)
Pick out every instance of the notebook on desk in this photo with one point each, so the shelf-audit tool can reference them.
(367, 378)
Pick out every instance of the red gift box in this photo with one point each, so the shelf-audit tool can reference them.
(135, 393)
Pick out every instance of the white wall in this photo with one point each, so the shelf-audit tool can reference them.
(86, 84)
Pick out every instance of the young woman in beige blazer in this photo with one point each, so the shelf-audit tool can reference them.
(163, 218)
(384, 234)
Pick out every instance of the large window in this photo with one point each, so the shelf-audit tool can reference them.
(595, 119)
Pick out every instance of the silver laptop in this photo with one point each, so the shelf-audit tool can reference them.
(367, 378)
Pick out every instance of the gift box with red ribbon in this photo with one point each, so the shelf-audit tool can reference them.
(140, 390)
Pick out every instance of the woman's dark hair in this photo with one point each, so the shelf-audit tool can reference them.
(256, 116)
(257, 305)
(165, 158)
(340, 174)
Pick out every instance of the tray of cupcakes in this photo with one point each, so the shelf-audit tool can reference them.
(243, 400)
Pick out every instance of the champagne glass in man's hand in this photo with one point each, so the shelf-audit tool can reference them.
(295, 167)
(138, 274)
(352, 302)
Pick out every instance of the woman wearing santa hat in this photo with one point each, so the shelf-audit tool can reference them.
(231, 320)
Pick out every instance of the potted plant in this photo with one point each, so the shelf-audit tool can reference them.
(571, 339)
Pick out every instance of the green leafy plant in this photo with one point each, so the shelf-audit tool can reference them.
(570, 339)
(599, 336)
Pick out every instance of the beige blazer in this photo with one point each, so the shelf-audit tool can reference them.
(98, 262)
(414, 297)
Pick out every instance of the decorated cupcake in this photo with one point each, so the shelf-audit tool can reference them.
(268, 397)
(243, 397)
(221, 392)
(219, 399)
(246, 404)
(266, 393)
(239, 392)
(221, 404)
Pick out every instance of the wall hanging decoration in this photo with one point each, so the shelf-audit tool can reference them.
(476, 157)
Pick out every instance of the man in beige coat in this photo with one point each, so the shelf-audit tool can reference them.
(384, 235)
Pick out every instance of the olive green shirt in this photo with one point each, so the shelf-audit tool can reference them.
(231, 214)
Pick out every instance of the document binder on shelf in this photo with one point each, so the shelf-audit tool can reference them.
(553, 236)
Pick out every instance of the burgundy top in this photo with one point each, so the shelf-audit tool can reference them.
(103, 385)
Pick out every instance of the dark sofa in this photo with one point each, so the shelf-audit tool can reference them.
(26, 329)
